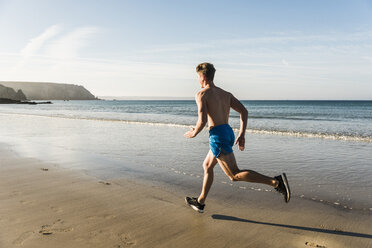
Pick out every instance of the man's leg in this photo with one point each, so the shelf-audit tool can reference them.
(209, 162)
(229, 166)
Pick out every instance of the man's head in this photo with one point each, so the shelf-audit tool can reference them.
(206, 72)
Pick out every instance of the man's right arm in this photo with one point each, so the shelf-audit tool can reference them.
(202, 116)
(239, 107)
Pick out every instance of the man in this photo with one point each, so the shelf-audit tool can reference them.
(214, 107)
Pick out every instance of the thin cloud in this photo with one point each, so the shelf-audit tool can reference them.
(244, 66)
(69, 45)
(34, 45)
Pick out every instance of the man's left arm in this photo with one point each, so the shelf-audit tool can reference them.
(202, 116)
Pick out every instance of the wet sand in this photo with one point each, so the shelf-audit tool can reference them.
(45, 205)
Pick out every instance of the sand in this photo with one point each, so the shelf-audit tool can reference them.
(45, 205)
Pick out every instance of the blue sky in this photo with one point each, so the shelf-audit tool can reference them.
(261, 49)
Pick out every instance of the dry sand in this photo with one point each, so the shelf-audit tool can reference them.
(44, 205)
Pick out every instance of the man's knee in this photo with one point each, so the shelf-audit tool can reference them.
(233, 177)
(208, 168)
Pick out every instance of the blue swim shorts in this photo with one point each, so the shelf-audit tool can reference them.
(221, 139)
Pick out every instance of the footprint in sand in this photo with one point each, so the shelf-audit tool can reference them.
(46, 230)
(22, 238)
(121, 240)
(311, 244)
(98, 235)
(126, 240)
(56, 227)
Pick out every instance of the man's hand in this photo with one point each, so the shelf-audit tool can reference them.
(190, 134)
(241, 142)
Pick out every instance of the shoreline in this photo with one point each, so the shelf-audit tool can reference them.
(275, 132)
(44, 205)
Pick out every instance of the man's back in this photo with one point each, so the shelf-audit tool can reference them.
(218, 103)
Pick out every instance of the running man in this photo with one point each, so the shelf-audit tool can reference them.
(214, 107)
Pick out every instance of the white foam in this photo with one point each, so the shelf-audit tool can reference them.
(311, 135)
(342, 137)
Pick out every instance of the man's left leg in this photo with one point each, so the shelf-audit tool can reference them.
(208, 165)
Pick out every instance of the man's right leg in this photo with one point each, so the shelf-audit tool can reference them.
(209, 162)
(229, 166)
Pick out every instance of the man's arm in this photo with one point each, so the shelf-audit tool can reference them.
(238, 107)
(202, 116)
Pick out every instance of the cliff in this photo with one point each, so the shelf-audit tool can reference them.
(50, 91)
(10, 93)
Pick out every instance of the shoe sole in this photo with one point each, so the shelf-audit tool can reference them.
(285, 181)
(193, 207)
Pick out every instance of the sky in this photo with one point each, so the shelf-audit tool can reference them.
(262, 50)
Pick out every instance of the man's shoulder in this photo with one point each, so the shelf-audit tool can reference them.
(199, 96)
(201, 93)
(209, 91)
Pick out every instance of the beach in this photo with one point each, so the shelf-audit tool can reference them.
(71, 175)
(114, 116)
(44, 205)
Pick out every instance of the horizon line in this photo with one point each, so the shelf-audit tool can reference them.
(192, 98)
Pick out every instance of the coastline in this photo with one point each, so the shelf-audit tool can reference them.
(45, 205)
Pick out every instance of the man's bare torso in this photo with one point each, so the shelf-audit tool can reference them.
(218, 103)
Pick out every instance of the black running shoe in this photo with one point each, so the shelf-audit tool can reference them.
(283, 187)
(193, 202)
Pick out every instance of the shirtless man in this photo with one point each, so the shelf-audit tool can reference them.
(214, 106)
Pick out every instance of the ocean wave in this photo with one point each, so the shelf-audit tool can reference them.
(328, 136)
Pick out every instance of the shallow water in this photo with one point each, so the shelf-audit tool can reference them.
(330, 171)
(342, 120)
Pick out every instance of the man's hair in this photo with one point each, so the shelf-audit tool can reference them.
(206, 69)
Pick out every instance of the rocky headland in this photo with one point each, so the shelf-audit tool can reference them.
(23, 91)
(10, 93)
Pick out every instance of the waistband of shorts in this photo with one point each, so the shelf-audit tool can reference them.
(219, 127)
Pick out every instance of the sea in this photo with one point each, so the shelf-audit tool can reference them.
(324, 147)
